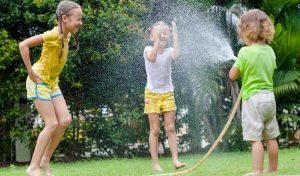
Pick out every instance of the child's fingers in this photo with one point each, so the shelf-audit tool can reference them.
(35, 78)
(173, 24)
(174, 27)
(38, 79)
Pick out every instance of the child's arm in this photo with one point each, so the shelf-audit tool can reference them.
(176, 53)
(24, 50)
(151, 55)
(234, 73)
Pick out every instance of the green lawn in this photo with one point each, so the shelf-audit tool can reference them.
(223, 164)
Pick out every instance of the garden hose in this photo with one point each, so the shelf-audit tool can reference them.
(227, 125)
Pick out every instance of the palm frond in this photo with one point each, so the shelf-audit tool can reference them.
(231, 15)
(286, 83)
(278, 7)
(286, 41)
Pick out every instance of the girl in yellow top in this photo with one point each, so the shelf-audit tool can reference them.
(42, 82)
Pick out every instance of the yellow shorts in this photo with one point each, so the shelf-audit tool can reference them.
(159, 102)
(41, 91)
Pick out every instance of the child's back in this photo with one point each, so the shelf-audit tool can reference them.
(256, 63)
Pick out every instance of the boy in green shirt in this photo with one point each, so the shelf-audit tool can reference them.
(255, 65)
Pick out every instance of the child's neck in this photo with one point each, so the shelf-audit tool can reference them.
(258, 42)
(65, 33)
(161, 49)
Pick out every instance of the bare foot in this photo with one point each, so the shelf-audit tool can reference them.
(178, 164)
(33, 171)
(46, 167)
(253, 174)
(157, 168)
(270, 171)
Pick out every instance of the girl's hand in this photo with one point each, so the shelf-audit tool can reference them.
(34, 77)
(174, 28)
(176, 53)
(157, 37)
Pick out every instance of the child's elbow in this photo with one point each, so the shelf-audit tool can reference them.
(233, 74)
(176, 56)
(151, 59)
(22, 45)
(231, 77)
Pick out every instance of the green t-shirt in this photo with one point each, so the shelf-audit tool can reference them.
(256, 64)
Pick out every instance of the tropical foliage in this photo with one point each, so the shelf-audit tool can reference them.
(103, 83)
(286, 44)
(12, 74)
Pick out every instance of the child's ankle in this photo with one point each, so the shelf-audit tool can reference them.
(157, 167)
(33, 171)
(272, 170)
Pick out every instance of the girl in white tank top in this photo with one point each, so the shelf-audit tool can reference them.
(159, 96)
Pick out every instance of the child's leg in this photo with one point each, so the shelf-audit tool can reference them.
(169, 122)
(64, 119)
(153, 139)
(47, 112)
(272, 147)
(257, 156)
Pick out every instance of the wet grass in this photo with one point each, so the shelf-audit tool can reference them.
(223, 164)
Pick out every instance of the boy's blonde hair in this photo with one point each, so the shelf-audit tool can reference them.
(255, 25)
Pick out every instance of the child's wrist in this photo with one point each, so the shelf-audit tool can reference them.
(30, 71)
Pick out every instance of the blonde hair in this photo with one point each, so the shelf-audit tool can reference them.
(149, 30)
(255, 25)
(63, 8)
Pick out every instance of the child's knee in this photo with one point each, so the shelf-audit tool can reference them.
(52, 126)
(155, 131)
(66, 121)
(170, 128)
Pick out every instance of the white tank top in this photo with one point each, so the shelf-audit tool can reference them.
(159, 72)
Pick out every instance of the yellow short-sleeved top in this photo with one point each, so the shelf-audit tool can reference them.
(50, 65)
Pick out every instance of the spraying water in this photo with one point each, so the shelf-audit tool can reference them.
(198, 76)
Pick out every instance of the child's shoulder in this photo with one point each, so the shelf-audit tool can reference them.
(169, 49)
(244, 49)
(148, 47)
(255, 48)
(52, 34)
